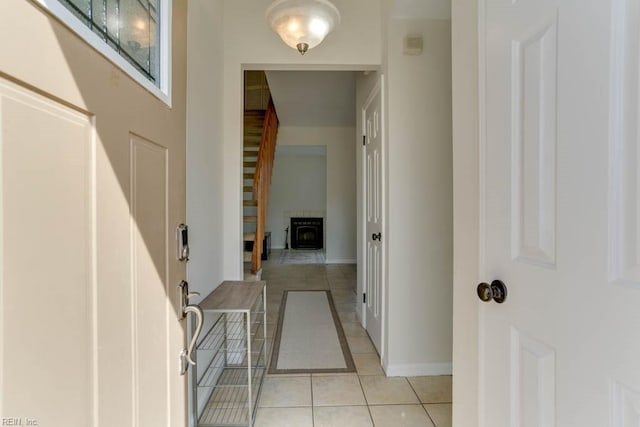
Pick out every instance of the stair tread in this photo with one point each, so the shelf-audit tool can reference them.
(250, 202)
(249, 237)
(249, 164)
(252, 113)
(250, 219)
(247, 175)
(247, 189)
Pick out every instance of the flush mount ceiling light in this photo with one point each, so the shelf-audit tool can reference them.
(302, 24)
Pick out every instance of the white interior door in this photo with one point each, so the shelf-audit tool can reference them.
(560, 198)
(91, 190)
(374, 204)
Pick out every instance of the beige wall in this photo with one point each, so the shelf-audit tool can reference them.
(418, 154)
(204, 156)
(205, 179)
(419, 200)
(298, 188)
(249, 43)
(340, 221)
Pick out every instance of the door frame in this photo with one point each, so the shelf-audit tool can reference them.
(467, 28)
(362, 220)
(235, 251)
(360, 217)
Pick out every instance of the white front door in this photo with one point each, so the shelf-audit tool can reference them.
(560, 202)
(91, 189)
(374, 205)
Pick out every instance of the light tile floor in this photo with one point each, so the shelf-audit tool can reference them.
(367, 398)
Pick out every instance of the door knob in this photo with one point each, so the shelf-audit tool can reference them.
(496, 291)
(376, 236)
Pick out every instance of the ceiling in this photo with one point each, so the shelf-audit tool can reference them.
(314, 98)
(327, 98)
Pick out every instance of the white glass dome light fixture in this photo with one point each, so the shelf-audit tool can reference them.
(302, 24)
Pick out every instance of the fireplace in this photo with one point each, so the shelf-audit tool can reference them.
(306, 233)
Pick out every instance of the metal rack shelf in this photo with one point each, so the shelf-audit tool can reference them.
(237, 350)
(210, 377)
(228, 402)
(234, 330)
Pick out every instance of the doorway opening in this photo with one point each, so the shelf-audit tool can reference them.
(314, 207)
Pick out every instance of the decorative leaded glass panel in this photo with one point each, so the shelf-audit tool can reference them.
(131, 27)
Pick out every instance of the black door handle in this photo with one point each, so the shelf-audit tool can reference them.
(496, 291)
(376, 236)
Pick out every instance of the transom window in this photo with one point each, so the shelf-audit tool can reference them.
(130, 27)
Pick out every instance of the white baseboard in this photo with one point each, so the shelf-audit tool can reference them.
(341, 261)
(419, 369)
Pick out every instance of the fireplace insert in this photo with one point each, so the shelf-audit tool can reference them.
(307, 233)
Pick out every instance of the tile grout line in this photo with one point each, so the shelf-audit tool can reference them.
(373, 423)
(414, 390)
(429, 415)
(313, 412)
(398, 404)
(420, 402)
(357, 374)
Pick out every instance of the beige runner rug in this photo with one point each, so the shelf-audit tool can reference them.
(309, 338)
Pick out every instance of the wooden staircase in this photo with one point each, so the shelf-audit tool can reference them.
(260, 134)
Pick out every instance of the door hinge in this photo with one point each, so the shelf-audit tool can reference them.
(364, 298)
(364, 139)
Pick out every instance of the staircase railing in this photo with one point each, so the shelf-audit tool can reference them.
(262, 181)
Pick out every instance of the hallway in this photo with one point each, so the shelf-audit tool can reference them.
(367, 398)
